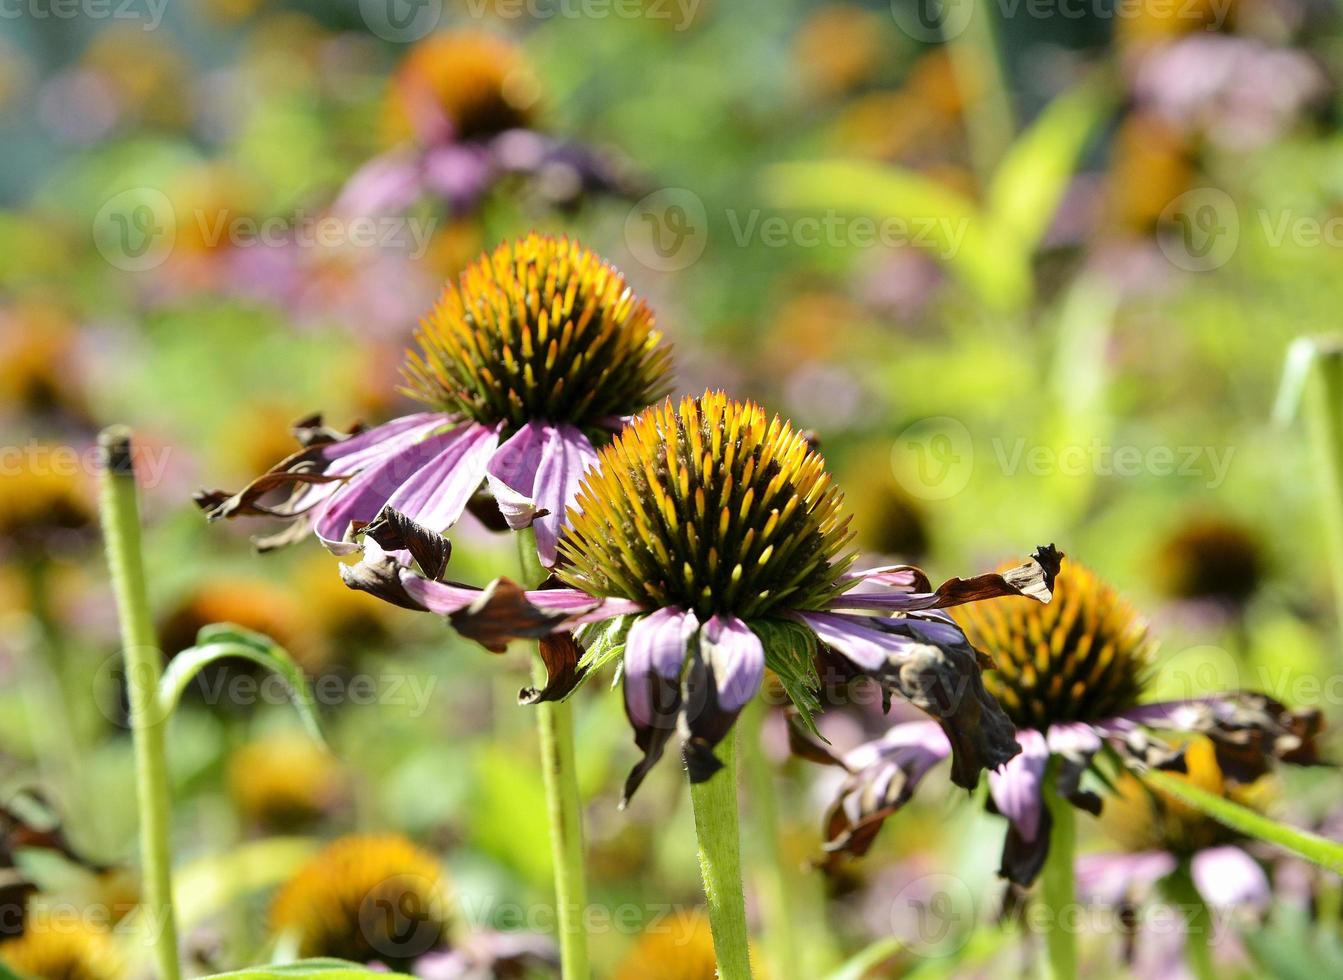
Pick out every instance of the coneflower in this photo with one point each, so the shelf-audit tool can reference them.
(1169, 845)
(462, 114)
(708, 543)
(715, 537)
(540, 351)
(1072, 677)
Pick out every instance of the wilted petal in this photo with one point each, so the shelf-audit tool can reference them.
(883, 775)
(655, 653)
(1229, 878)
(937, 672)
(1250, 731)
(560, 655)
(315, 472)
(1074, 744)
(1033, 579)
(725, 672)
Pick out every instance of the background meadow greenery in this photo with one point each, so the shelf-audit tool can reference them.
(970, 398)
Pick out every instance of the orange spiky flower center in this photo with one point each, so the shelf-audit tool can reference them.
(540, 329)
(709, 505)
(1085, 656)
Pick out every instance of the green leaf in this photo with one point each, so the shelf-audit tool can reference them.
(327, 969)
(220, 641)
(862, 963)
(7, 974)
(1312, 847)
(605, 645)
(790, 651)
(948, 224)
(1032, 178)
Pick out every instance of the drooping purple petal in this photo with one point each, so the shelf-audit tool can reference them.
(511, 475)
(725, 672)
(1227, 877)
(539, 469)
(1117, 880)
(655, 653)
(1074, 744)
(1017, 788)
(567, 456)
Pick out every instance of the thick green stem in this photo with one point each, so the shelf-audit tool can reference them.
(1057, 885)
(555, 725)
(1326, 431)
(1198, 940)
(121, 536)
(778, 889)
(716, 826)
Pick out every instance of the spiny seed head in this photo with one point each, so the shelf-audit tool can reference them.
(480, 81)
(1143, 818)
(365, 898)
(540, 329)
(709, 505)
(1085, 656)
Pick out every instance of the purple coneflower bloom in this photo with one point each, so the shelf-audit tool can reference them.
(462, 109)
(540, 351)
(1071, 677)
(707, 544)
(1168, 843)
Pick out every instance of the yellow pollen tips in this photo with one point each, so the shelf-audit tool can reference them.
(1085, 656)
(539, 329)
(712, 505)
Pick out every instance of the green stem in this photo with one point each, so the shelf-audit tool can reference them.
(1199, 937)
(555, 725)
(1057, 886)
(777, 887)
(1325, 399)
(121, 535)
(715, 804)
